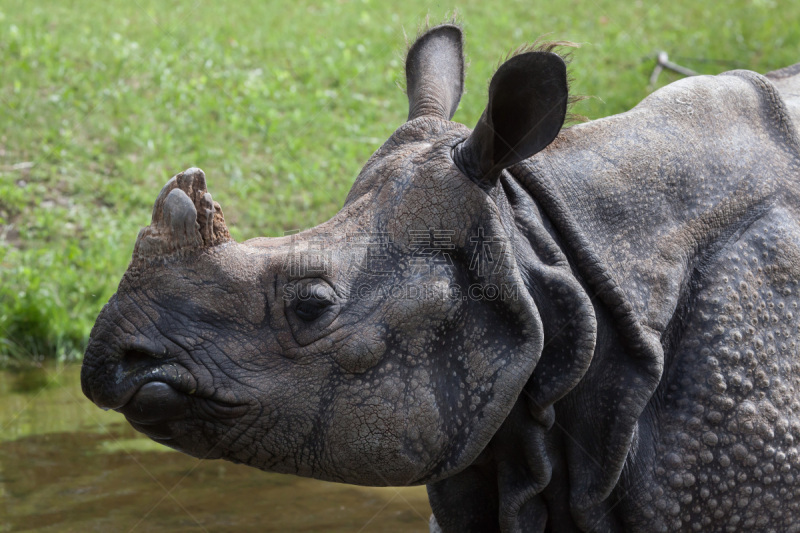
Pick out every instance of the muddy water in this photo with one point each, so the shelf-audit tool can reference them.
(67, 466)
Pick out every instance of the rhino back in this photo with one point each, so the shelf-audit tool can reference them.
(648, 205)
(787, 81)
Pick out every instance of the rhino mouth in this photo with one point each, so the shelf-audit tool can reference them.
(152, 406)
(156, 399)
(167, 414)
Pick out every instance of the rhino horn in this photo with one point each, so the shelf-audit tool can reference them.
(185, 219)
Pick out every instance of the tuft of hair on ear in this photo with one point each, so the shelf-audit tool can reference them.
(574, 118)
(540, 44)
(423, 27)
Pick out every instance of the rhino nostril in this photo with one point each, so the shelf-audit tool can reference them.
(135, 358)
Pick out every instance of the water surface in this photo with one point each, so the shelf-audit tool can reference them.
(65, 465)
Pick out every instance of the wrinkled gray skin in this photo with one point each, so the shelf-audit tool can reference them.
(644, 376)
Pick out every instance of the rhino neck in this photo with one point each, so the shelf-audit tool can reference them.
(523, 461)
(567, 314)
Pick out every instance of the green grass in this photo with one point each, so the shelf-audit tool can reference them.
(280, 104)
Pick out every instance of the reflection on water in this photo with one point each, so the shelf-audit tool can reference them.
(67, 466)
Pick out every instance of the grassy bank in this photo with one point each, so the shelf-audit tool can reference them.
(101, 102)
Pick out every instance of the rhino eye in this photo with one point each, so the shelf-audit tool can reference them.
(313, 300)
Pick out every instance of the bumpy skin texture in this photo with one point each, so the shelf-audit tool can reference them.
(641, 373)
(672, 227)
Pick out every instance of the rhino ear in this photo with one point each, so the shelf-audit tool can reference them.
(527, 105)
(435, 73)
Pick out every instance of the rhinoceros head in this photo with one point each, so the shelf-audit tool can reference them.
(385, 346)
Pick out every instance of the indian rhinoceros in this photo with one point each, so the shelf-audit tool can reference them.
(590, 328)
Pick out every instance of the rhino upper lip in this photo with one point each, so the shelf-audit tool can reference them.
(179, 379)
(129, 384)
